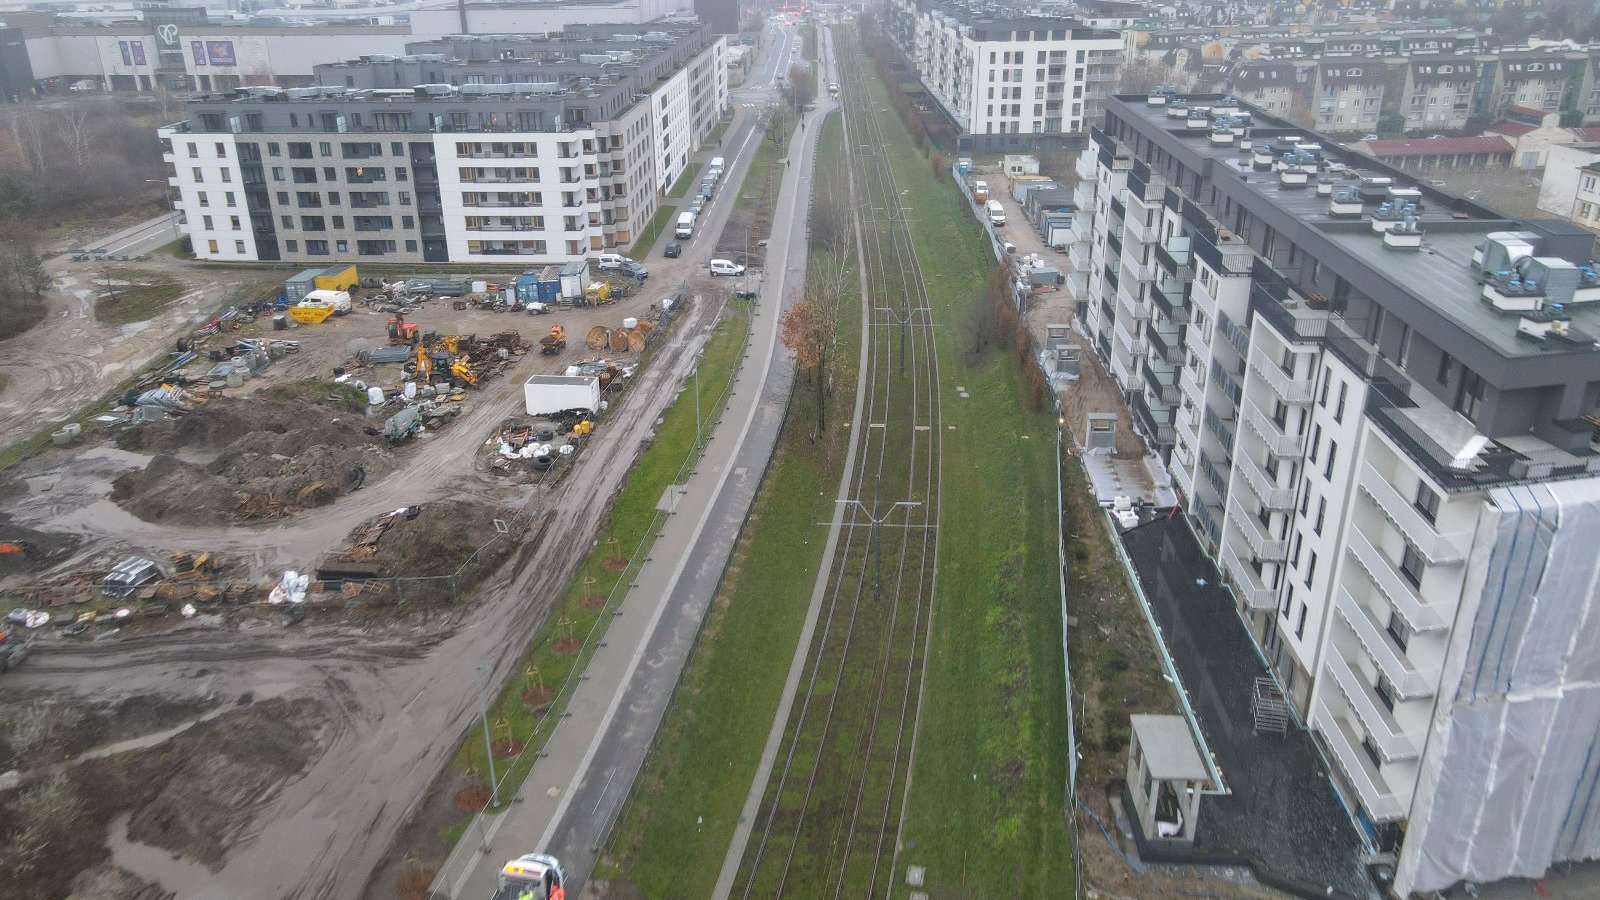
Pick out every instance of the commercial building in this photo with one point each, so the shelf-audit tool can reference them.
(1379, 404)
(520, 149)
(1007, 80)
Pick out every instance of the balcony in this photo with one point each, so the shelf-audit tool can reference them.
(1183, 426)
(1083, 194)
(1392, 743)
(1135, 229)
(1162, 384)
(1200, 297)
(1173, 258)
(1437, 548)
(1247, 584)
(1222, 429)
(1179, 467)
(1409, 680)
(1215, 476)
(1137, 309)
(1158, 427)
(1168, 296)
(1271, 433)
(1377, 801)
(1088, 162)
(1194, 340)
(1164, 345)
(1189, 384)
(1288, 388)
(1394, 586)
(1267, 490)
(1266, 547)
(1128, 343)
(1078, 256)
(1120, 373)
(1225, 380)
(1133, 267)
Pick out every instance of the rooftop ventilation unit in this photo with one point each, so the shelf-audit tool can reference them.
(1404, 235)
(1345, 203)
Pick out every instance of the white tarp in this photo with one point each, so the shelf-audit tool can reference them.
(1510, 780)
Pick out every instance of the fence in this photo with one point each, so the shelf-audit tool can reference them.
(458, 866)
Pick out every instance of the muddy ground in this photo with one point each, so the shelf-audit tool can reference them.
(191, 795)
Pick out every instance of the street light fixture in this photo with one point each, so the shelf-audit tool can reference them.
(877, 522)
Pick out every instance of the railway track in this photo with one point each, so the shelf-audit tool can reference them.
(830, 820)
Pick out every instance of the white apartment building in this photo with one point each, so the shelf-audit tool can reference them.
(1023, 75)
(1380, 419)
(548, 149)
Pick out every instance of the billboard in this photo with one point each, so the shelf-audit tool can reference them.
(198, 48)
(127, 58)
(138, 52)
(220, 53)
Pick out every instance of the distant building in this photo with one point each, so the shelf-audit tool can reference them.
(1007, 80)
(721, 15)
(1570, 186)
(519, 150)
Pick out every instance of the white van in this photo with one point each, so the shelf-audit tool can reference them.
(605, 261)
(339, 300)
(685, 224)
(997, 213)
(716, 165)
(726, 267)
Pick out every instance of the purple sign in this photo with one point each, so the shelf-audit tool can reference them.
(127, 58)
(198, 48)
(220, 53)
(138, 52)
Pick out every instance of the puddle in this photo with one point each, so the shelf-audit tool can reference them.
(173, 873)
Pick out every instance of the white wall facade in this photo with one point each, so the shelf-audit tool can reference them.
(673, 124)
(211, 196)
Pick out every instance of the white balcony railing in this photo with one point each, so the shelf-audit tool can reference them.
(1256, 595)
(1392, 743)
(1266, 547)
(1399, 591)
(1410, 680)
(1289, 388)
(1277, 441)
(1377, 799)
(1271, 494)
(1438, 548)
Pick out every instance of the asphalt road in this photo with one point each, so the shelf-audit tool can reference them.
(569, 802)
(140, 239)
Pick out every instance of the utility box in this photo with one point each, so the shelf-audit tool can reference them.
(337, 278)
(546, 394)
(296, 288)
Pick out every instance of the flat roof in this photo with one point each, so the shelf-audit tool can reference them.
(1168, 748)
(1439, 275)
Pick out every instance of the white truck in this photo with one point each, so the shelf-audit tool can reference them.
(685, 225)
(339, 300)
(531, 876)
(997, 213)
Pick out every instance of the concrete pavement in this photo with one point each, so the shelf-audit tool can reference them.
(579, 784)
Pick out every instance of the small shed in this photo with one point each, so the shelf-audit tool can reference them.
(1165, 778)
(1020, 164)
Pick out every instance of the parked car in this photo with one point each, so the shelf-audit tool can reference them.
(606, 262)
(726, 267)
(634, 269)
(673, 250)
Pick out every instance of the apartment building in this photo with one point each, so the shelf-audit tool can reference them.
(522, 149)
(999, 73)
(1530, 79)
(1378, 403)
(1438, 92)
(1349, 94)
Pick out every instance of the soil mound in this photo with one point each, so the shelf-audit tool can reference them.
(268, 458)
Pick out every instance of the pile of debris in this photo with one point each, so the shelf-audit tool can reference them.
(254, 458)
(440, 360)
(536, 446)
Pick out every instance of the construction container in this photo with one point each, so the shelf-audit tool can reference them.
(574, 279)
(546, 394)
(337, 278)
(296, 288)
(534, 287)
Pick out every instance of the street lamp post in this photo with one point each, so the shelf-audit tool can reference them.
(877, 522)
(903, 322)
(488, 746)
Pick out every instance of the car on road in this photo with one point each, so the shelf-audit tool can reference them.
(531, 875)
(726, 267)
(673, 250)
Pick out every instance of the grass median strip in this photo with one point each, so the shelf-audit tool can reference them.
(647, 238)
(554, 653)
(985, 814)
(685, 181)
(675, 830)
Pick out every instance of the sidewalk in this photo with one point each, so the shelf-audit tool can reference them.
(578, 785)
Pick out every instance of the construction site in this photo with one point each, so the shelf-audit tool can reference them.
(299, 497)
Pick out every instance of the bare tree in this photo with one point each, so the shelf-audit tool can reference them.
(72, 125)
(24, 127)
(801, 86)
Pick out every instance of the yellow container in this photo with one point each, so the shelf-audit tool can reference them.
(310, 315)
(337, 279)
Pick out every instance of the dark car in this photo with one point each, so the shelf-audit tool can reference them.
(674, 250)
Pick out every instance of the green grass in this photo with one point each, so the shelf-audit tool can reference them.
(676, 829)
(720, 129)
(986, 808)
(808, 42)
(647, 238)
(761, 180)
(685, 181)
(144, 295)
(632, 517)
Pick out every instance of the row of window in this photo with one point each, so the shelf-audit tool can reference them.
(359, 223)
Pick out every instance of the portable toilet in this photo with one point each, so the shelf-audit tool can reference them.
(296, 288)
(963, 165)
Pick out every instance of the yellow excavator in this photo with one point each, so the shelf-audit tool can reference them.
(462, 370)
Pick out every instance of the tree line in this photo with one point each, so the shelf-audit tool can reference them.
(79, 159)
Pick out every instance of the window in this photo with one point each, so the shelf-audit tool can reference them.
(1412, 565)
(312, 223)
(338, 221)
(1426, 502)
(325, 148)
(1338, 410)
(1311, 568)
(205, 222)
(222, 150)
(292, 246)
(1327, 379)
(397, 149)
(411, 246)
(227, 176)
(199, 174)
(1300, 626)
(1371, 749)
(1288, 602)
(1399, 631)
(233, 221)
(1305, 496)
(229, 198)
(194, 150)
(212, 246)
(1447, 368)
(1316, 442)
(1322, 513)
(201, 196)
(273, 149)
(238, 246)
(400, 173)
(1469, 396)
(288, 223)
(277, 173)
(405, 198)
(1386, 692)
(317, 248)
